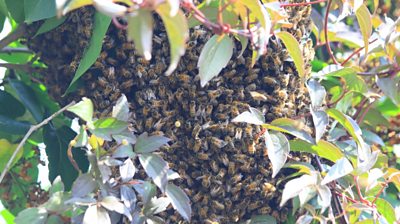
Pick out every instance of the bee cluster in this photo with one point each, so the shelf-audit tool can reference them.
(223, 165)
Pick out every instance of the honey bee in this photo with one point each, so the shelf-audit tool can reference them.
(264, 210)
(196, 130)
(228, 203)
(99, 65)
(221, 174)
(251, 148)
(127, 84)
(231, 168)
(270, 81)
(230, 74)
(197, 197)
(218, 143)
(206, 182)
(251, 78)
(102, 81)
(197, 145)
(254, 205)
(282, 94)
(251, 87)
(285, 78)
(217, 205)
(209, 109)
(192, 108)
(214, 94)
(248, 132)
(104, 103)
(223, 158)
(214, 166)
(236, 188)
(179, 94)
(146, 110)
(169, 113)
(202, 156)
(107, 90)
(115, 95)
(236, 178)
(222, 116)
(149, 123)
(203, 211)
(110, 73)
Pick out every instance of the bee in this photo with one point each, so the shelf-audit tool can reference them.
(215, 191)
(197, 145)
(149, 123)
(214, 166)
(209, 109)
(218, 143)
(196, 130)
(179, 94)
(104, 103)
(221, 174)
(146, 110)
(268, 189)
(203, 211)
(128, 46)
(214, 94)
(127, 84)
(251, 148)
(102, 81)
(282, 94)
(246, 167)
(264, 210)
(192, 108)
(197, 197)
(81, 91)
(159, 67)
(236, 178)
(202, 156)
(169, 113)
(228, 203)
(110, 73)
(248, 132)
(206, 182)
(252, 187)
(251, 78)
(231, 168)
(230, 74)
(222, 116)
(254, 205)
(236, 188)
(285, 78)
(217, 205)
(251, 87)
(115, 95)
(107, 90)
(223, 158)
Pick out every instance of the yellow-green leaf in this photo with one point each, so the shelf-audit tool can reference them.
(177, 31)
(294, 50)
(259, 12)
(72, 5)
(140, 30)
(323, 149)
(365, 22)
(6, 151)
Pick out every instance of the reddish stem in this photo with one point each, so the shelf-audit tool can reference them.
(355, 52)
(340, 97)
(328, 47)
(301, 3)
(361, 118)
(380, 192)
(345, 196)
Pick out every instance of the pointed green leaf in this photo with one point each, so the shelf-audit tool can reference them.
(121, 109)
(140, 30)
(13, 109)
(253, 116)
(179, 200)
(156, 168)
(146, 144)
(365, 22)
(39, 9)
(100, 27)
(341, 168)
(323, 149)
(295, 186)
(293, 127)
(278, 149)
(321, 121)
(50, 24)
(177, 31)
(83, 109)
(27, 96)
(107, 127)
(214, 56)
(259, 11)
(32, 215)
(294, 50)
(386, 210)
(13, 127)
(317, 93)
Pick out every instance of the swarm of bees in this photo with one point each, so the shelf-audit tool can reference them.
(224, 169)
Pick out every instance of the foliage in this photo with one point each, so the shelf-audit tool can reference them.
(353, 88)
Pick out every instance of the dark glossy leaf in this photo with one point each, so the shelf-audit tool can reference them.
(14, 108)
(16, 9)
(106, 127)
(323, 149)
(214, 56)
(176, 24)
(140, 30)
(341, 168)
(278, 149)
(10, 126)
(39, 9)
(179, 200)
(57, 142)
(156, 168)
(83, 185)
(50, 24)
(100, 27)
(28, 98)
(146, 144)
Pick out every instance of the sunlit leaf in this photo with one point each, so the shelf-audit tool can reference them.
(156, 205)
(214, 56)
(146, 190)
(100, 27)
(341, 168)
(107, 127)
(140, 30)
(95, 214)
(112, 203)
(321, 121)
(121, 109)
(6, 151)
(324, 196)
(293, 127)
(317, 93)
(83, 109)
(179, 200)
(386, 210)
(174, 25)
(278, 149)
(253, 116)
(156, 168)
(295, 186)
(364, 20)
(259, 12)
(323, 149)
(294, 50)
(146, 144)
(83, 185)
(127, 170)
(71, 5)
(109, 8)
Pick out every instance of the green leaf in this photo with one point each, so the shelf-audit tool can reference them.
(390, 87)
(156, 205)
(179, 200)
(57, 142)
(83, 185)
(278, 149)
(293, 127)
(106, 127)
(3, 8)
(386, 210)
(294, 50)
(259, 12)
(10, 126)
(16, 10)
(145, 144)
(14, 108)
(177, 31)
(96, 214)
(317, 93)
(83, 109)
(32, 215)
(101, 24)
(295, 186)
(253, 116)
(121, 109)
(6, 151)
(146, 190)
(28, 98)
(50, 24)
(244, 41)
(341, 168)
(348, 123)
(72, 5)
(323, 149)
(321, 121)
(260, 219)
(7, 216)
(156, 168)
(36, 10)
(57, 186)
(214, 56)
(140, 30)
(365, 22)
(112, 203)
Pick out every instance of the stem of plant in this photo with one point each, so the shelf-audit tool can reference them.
(328, 46)
(355, 52)
(302, 3)
(28, 134)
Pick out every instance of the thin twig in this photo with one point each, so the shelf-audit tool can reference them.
(32, 129)
(356, 52)
(328, 46)
(24, 67)
(301, 3)
(19, 32)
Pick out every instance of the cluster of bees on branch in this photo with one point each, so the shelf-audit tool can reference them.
(224, 167)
